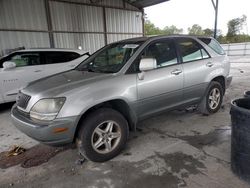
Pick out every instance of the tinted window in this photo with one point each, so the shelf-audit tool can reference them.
(24, 58)
(59, 57)
(213, 44)
(164, 52)
(191, 50)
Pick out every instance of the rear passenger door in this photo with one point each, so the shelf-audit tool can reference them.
(161, 88)
(197, 65)
(56, 62)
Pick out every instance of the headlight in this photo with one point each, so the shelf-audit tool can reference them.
(47, 109)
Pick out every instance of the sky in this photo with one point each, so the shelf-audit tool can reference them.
(185, 13)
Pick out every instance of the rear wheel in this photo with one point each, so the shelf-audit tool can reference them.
(102, 135)
(212, 101)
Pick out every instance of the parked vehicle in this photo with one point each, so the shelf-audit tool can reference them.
(21, 67)
(97, 104)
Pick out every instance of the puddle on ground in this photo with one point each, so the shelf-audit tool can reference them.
(213, 138)
(34, 156)
(179, 161)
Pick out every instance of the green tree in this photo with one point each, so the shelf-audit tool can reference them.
(235, 26)
(195, 30)
(151, 29)
(169, 30)
(208, 32)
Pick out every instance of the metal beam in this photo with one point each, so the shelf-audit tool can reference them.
(144, 3)
(49, 23)
(61, 31)
(96, 5)
(105, 26)
(216, 7)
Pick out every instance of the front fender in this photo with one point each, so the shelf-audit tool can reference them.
(79, 101)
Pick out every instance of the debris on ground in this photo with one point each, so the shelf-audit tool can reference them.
(34, 156)
(15, 150)
(80, 161)
(191, 108)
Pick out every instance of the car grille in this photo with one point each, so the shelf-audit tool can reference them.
(22, 100)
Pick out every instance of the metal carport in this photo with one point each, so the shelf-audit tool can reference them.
(69, 23)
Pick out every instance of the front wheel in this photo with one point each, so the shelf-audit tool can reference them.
(102, 135)
(212, 101)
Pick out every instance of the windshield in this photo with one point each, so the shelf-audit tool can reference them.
(111, 58)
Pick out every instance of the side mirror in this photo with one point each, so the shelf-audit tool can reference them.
(147, 64)
(9, 65)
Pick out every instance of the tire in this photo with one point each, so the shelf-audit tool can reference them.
(105, 128)
(206, 106)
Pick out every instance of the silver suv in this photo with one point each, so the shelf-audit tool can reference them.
(97, 104)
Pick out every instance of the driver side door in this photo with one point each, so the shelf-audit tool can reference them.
(161, 88)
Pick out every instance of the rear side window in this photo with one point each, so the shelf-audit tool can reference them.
(191, 50)
(23, 59)
(214, 45)
(59, 57)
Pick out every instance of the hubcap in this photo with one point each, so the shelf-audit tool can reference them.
(106, 137)
(214, 98)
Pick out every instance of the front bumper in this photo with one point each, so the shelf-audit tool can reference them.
(44, 131)
(228, 81)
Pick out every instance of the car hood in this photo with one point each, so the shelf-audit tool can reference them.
(63, 82)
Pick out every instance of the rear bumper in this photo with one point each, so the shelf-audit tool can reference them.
(228, 81)
(45, 131)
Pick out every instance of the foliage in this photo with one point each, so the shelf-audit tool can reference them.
(195, 30)
(235, 26)
(233, 35)
(208, 32)
(234, 39)
(151, 29)
(168, 30)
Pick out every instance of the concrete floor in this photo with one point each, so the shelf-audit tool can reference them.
(177, 149)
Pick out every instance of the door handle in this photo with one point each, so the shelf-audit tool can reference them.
(210, 64)
(37, 70)
(176, 72)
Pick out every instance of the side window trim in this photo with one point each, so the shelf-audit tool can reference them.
(152, 42)
(180, 55)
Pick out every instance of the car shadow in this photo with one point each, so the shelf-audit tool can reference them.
(6, 106)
